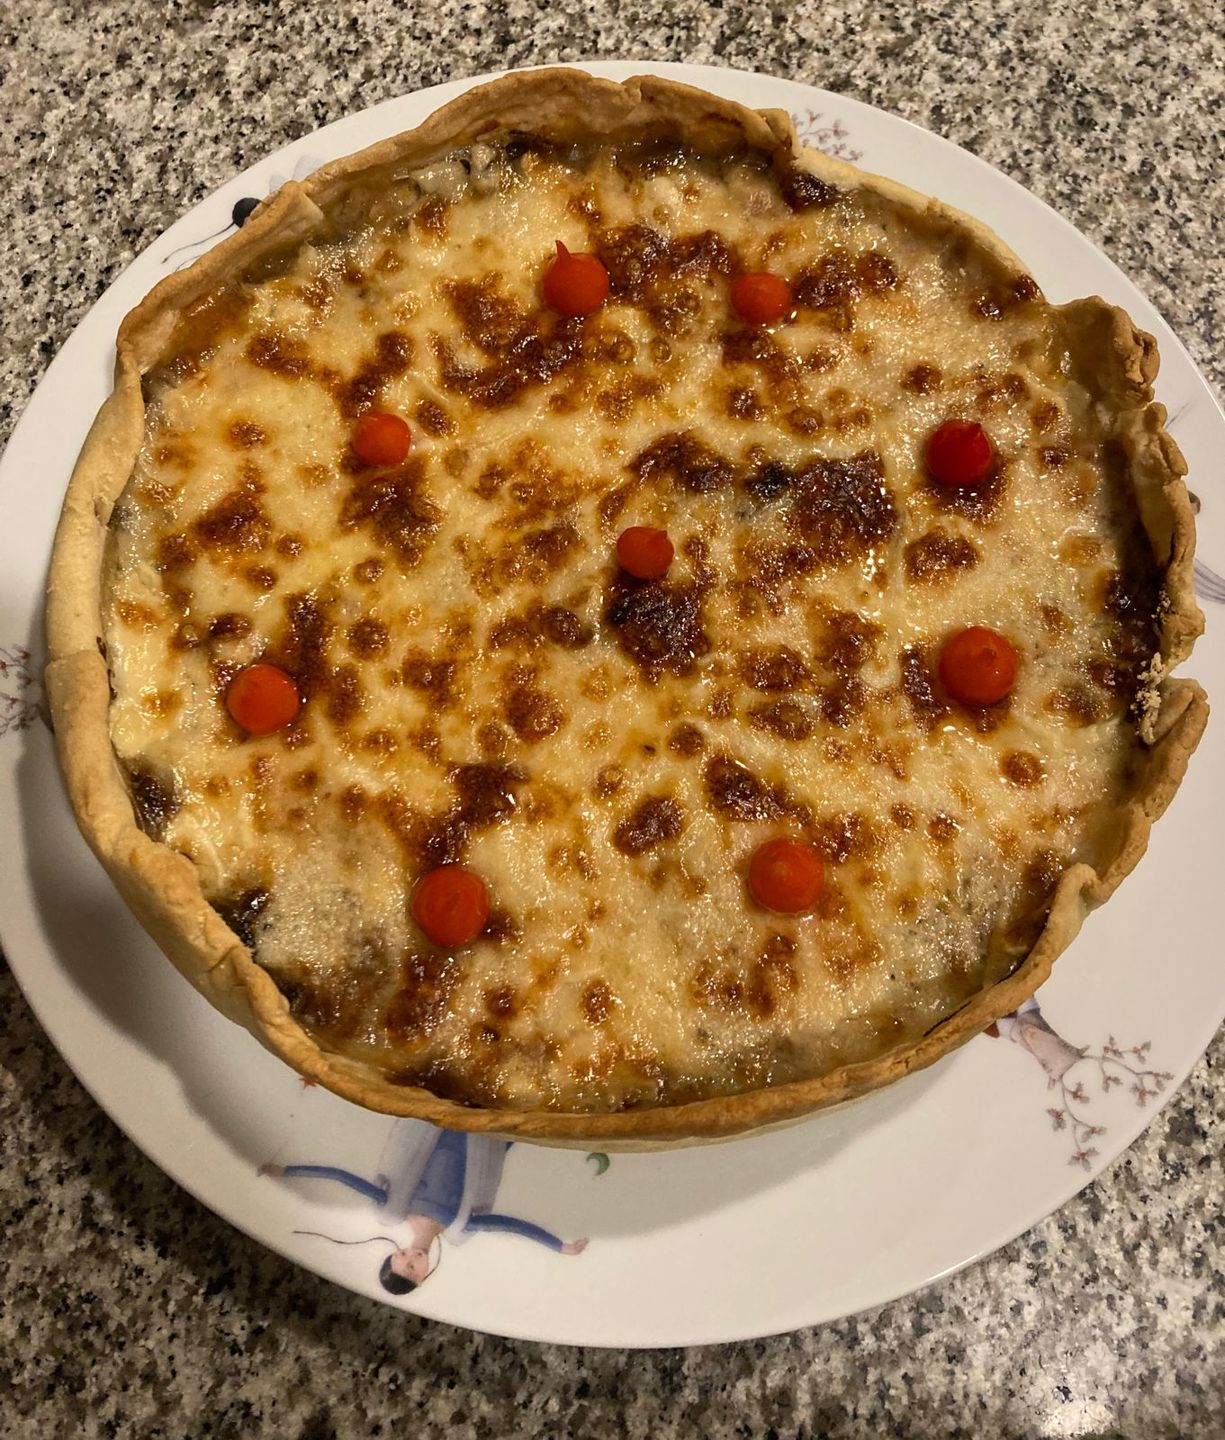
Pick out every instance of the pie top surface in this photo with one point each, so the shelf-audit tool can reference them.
(483, 684)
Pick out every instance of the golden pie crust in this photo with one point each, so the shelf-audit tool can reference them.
(163, 888)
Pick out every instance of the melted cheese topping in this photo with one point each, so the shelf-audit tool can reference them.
(483, 685)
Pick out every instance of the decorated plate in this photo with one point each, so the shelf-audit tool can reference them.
(722, 1242)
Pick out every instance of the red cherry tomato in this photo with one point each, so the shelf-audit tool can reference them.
(960, 452)
(978, 666)
(381, 439)
(575, 284)
(786, 876)
(644, 552)
(760, 298)
(451, 905)
(262, 698)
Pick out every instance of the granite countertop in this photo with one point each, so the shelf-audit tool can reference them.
(126, 1309)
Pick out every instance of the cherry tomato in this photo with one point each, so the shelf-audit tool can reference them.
(760, 298)
(644, 552)
(381, 439)
(451, 904)
(960, 452)
(978, 666)
(262, 698)
(786, 876)
(575, 284)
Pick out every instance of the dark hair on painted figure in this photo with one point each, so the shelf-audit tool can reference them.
(392, 1281)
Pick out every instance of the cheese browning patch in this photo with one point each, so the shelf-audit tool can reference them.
(477, 681)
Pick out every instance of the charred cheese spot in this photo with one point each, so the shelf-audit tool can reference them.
(427, 673)
(737, 793)
(998, 392)
(533, 714)
(743, 404)
(938, 555)
(549, 347)
(262, 577)
(303, 646)
(686, 741)
(279, 356)
(136, 614)
(563, 627)
(158, 704)
(609, 780)
(975, 502)
(598, 1002)
(805, 191)
(305, 780)
(848, 641)
(531, 558)
(393, 353)
(658, 625)
(241, 911)
(632, 255)
(619, 401)
(487, 792)
(919, 687)
(1045, 416)
(367, 637)
(787, 719)
(426, 984)
(153, 799)
(503, 1002)
(1020, 767)
(653, 821)
(759, 350)
(841, 507)
(380, 742)
(843, 836)
(780, 668)
(433, 418)
(923, 378)
(174, 552)
(684, 460)
(1042, 873)
(839, 279)
(770, 480)
(1000, 299)
(245, 434)
(392, 506)
(430, 217)
(1077, 704)
(344, 698)
(236, 523)
(491, 320)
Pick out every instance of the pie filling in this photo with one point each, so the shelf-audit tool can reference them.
(483, 684)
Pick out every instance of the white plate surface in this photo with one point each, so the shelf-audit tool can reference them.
(745, 1239)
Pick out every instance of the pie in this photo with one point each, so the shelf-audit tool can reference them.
(588, 620)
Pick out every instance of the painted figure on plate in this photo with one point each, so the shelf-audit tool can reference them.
(439, 1185)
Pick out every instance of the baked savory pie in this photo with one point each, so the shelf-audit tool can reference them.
(590, 620)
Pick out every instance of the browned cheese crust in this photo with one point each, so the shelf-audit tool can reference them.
(483, 686)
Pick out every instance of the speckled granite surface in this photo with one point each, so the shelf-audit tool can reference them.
(128, 1310)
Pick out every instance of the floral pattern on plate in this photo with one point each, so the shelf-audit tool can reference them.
(825, 133)
(20, 692)
(1029, 1028)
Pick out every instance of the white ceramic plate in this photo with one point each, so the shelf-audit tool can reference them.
(733, 1241)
